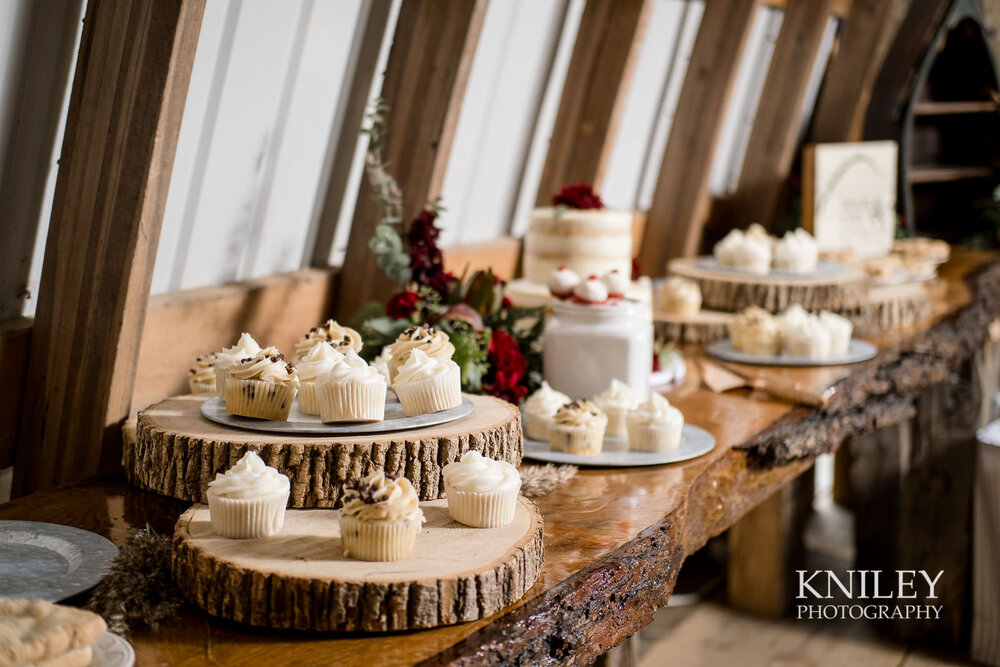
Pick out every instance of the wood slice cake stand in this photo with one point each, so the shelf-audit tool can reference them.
(732, 292)
(892, 308)
(705, 326)
(177, 452)
(300, 578)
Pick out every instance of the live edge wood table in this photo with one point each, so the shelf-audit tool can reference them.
(616, 538)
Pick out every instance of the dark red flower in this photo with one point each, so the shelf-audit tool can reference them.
(507, 368)
(402, 304)
(636, 269)
(506, 303)
(578, 195)
(426, 261)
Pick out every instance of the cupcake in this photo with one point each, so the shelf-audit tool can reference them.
(725, 250)
(318, 361)
(578, 428)
(429, 340)
(755, 331)
(562, 281)
(202, 377)
(791, 318)
(539, 409)
(617, 283)
(427, 384)
(481, 492)
(262, 386)
(591, 291)
(655, 426)
(342, 338)
(840, 330)
(808, 339)
(245, 347)
(796, 252)
(381, 363)
(615, 402)
(754, 256)
(380, 518)
(248, 500)
(680, 296)
(352, 391)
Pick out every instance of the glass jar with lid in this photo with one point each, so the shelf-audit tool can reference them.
(587, 346)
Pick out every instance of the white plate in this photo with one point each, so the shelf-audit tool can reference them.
(859, 350)
(824, 269)
(616, 454)
(110, 650)
(214, 409)
(49, 561)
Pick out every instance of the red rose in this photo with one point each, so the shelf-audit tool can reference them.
(579, 195)
(402, 305)
(507, 368)
(636, 269)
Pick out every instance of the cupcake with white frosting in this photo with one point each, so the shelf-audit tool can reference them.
(262, 386)
(796, 252)
(318, 361)
(351, 391)
(591, 291)
(754, 256)
(248, 500)
(578, 428)
(789, 319)
(244, 348)
(615, 402)
(481, 492)
(427, 384)
(755, 331)
(680, 296)
(201, 379)
(840, 330)
(562, 281)
(617, 283)
(340, 337)
(430, 340)
(380, 518)
(381, 363)
(808, 338)
(725, 250)
(539, 409)
(655, 426)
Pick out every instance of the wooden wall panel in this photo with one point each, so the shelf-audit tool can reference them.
(432, 52)
(680, 200)
(125, 111)
(593, 94)
(15, 345)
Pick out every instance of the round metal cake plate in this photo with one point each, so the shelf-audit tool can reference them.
(111, 650)
(859, 350)
(616, 454)
(214, 409)
(49, 561)
(824, 269)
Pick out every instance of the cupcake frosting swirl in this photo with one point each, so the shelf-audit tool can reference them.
(617, 395)
(317, 361)
(476, 473)
(377, 498)
(249, 478)
(353, 369)
(429, 340)
(579, 413)
(656, 411)
(342, 338)
(245, 347)
(204, 369)
(545, 400)
(421, 367)
(267, 365)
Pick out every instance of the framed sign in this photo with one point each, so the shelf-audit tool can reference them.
(849, 196)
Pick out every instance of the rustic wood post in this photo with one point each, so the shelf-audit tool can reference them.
(680, 201)
(125, 113)
(593, 95)
(425, 78)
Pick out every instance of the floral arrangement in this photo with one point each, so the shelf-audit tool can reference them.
(497, 346)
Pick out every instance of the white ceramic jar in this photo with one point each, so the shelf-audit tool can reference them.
(586, 347)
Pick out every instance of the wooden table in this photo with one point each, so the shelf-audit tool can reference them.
(615, 538)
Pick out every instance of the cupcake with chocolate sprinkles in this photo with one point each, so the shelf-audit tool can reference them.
(262, 386)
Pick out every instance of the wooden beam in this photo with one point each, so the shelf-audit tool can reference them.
(681, 201)
(500, 254)
(361, 69)
(774, 137)
(604, 54)
(15, 344)
(125, 111)
(843, 99)
(429, 63)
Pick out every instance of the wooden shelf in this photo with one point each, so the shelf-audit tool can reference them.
(946, 173)
(953, 108)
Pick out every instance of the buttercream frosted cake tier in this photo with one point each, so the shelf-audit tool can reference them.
(590, 242)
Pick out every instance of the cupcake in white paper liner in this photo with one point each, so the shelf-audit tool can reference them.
(248, 500)
(380, 519)
(481, 492)
(655, 426)
(352, 391)
(578, 428)
(427, 384)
